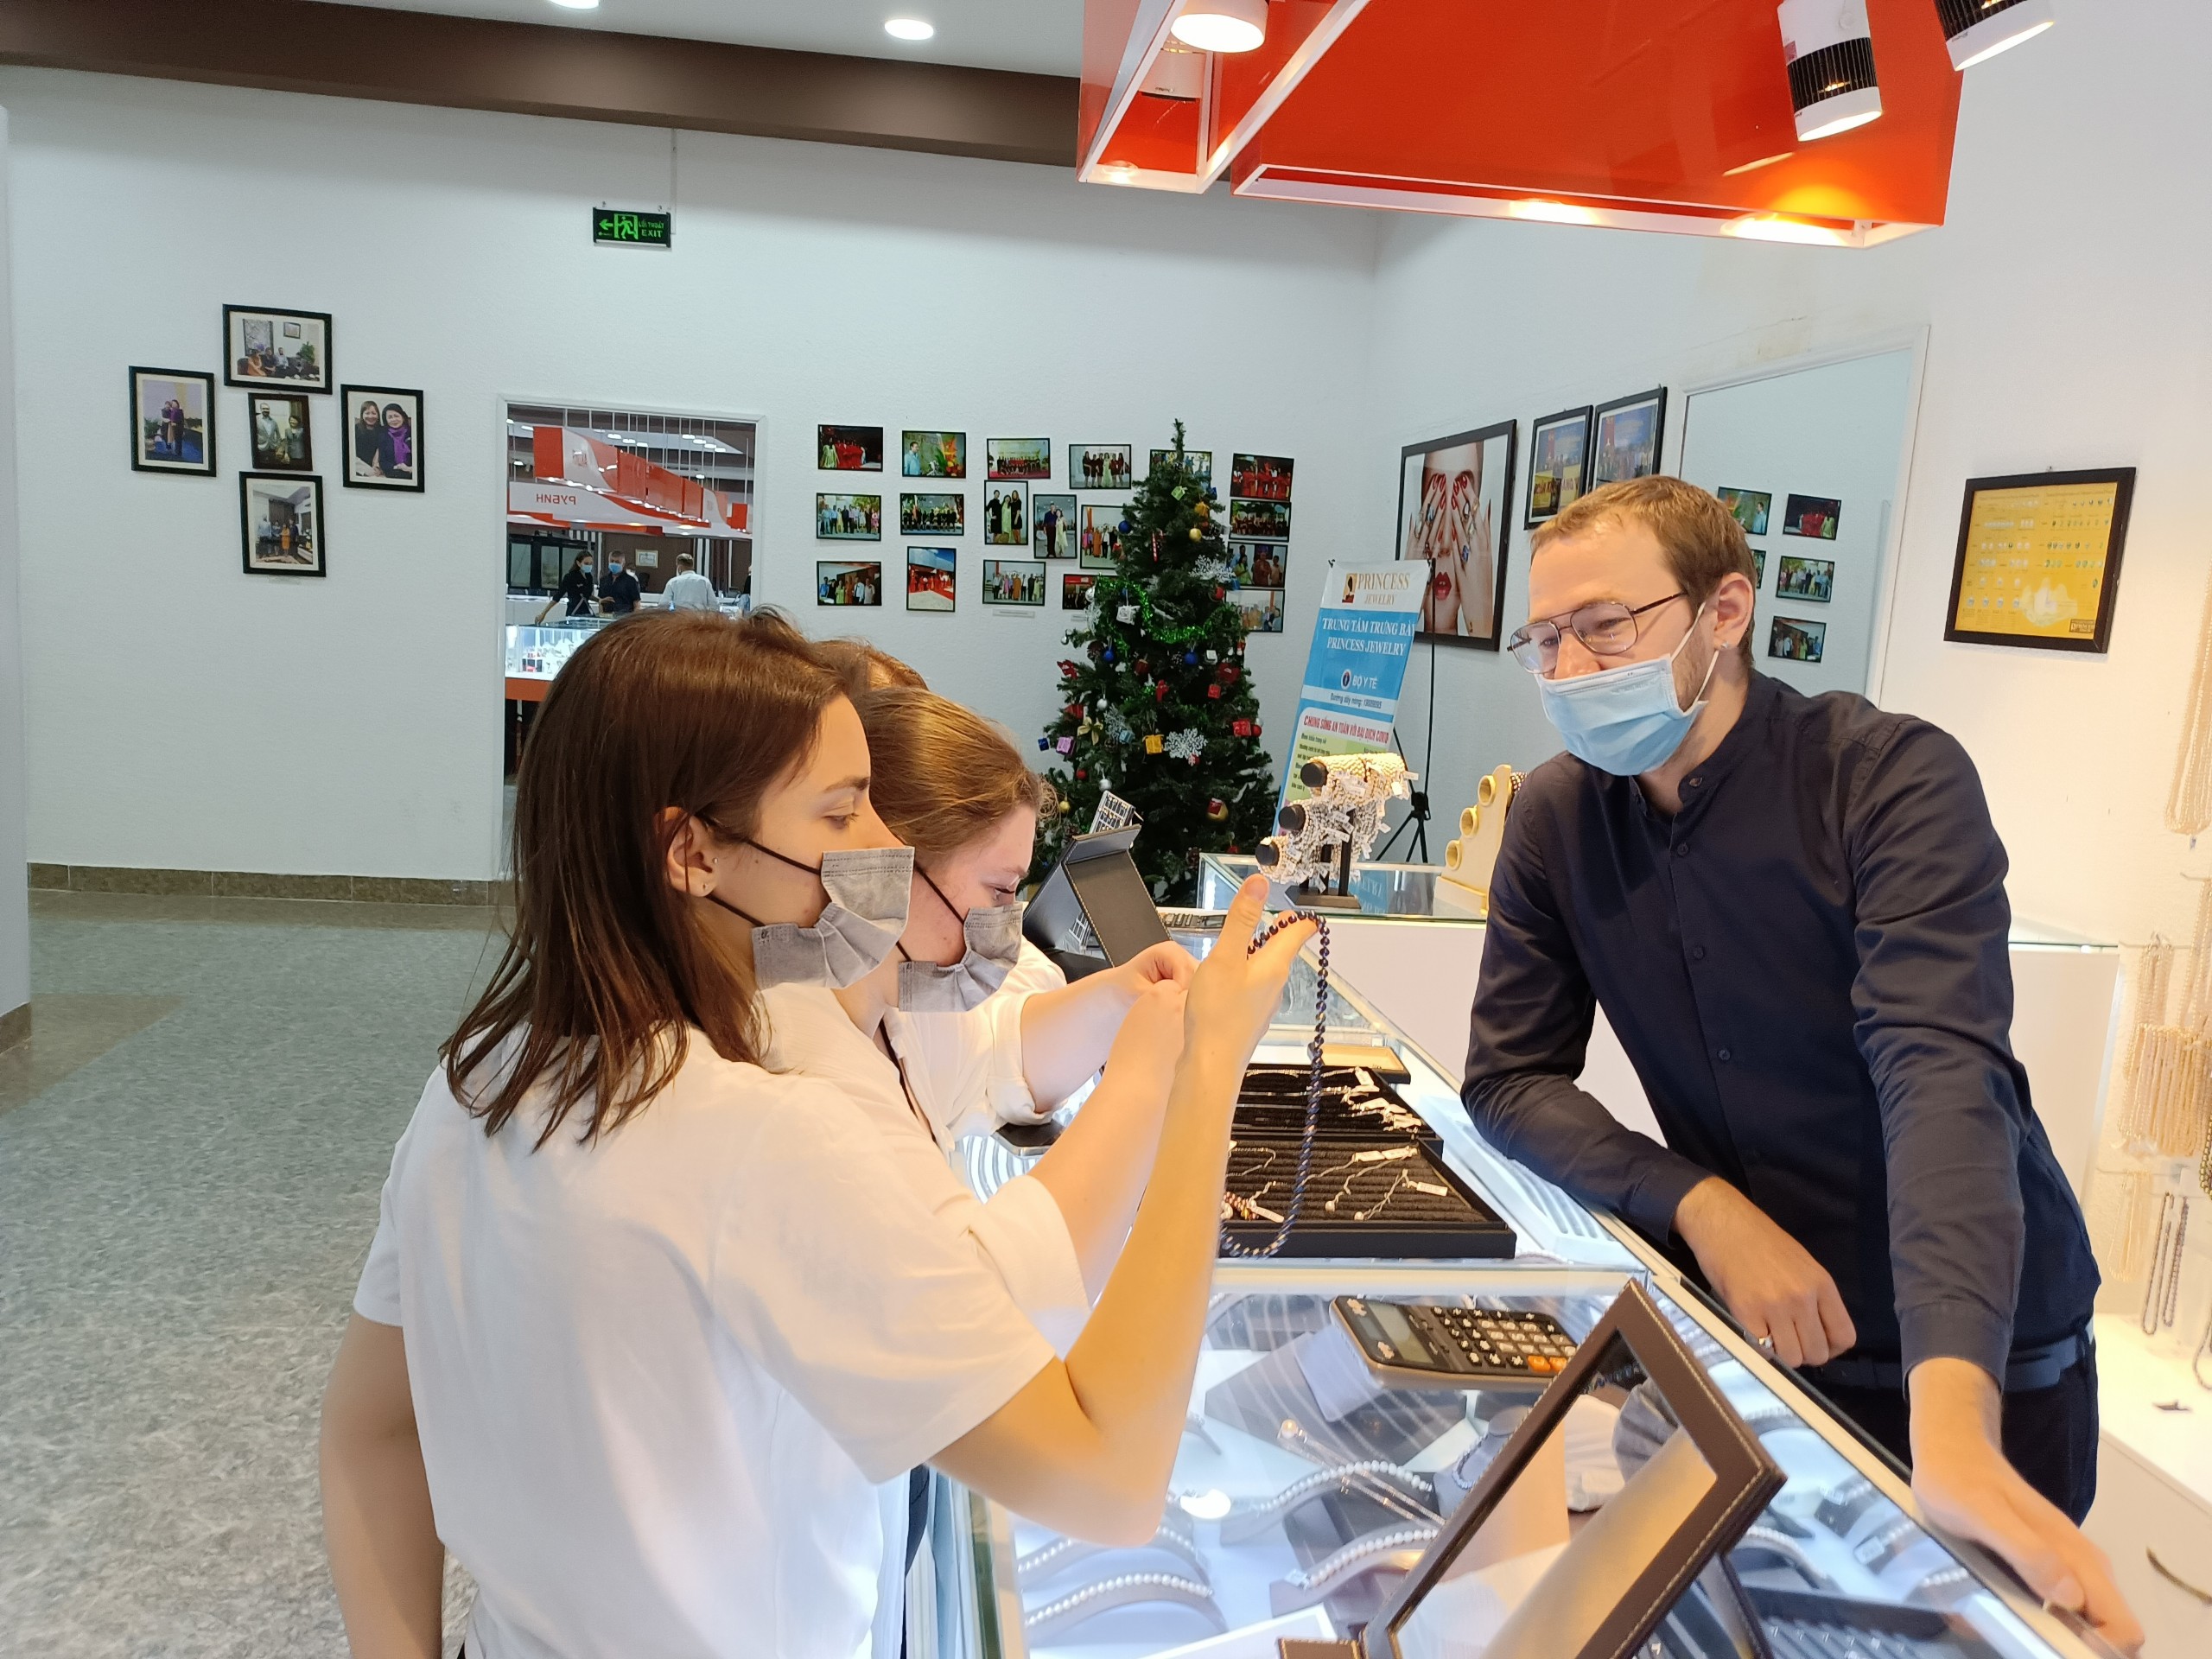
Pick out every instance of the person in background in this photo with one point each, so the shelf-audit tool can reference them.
(575, 587)
(619, 594)
(398, 442)
(370, 444)
(687, 589)
(1792, 909)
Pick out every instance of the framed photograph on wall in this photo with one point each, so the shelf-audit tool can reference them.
(848, 582)
(1098, 535)
(1006, 515)
(1100, 466)
(1029, 459)
(1628, 431)
(1259, 520)
(289, 347)
(848, 449)
(931, 514)
(1796, 639)
(1810, 580)
(172, 422)
(1758, 567)
(280, 523)
(1559, 463)
(1052, 519)
(1258, 564)
(2038, 559)
(1014, 581)
(1747, 507)
(1261, 478)
(1816, 516)
(931, 573)
(848, 517)
(1261, 607)
(1455, 507)
(933, 454)
(276, 428)
(1074, 592)
(384, 437)
(1198, 461)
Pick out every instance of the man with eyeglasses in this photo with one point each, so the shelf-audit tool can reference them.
(1792, 909)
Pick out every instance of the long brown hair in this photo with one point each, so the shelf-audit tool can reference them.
(939, 774)
(608, 965)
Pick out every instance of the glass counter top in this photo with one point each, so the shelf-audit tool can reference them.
(540, 652)
(1303, 1489)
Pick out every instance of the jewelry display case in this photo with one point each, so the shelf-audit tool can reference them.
(1306, 1489)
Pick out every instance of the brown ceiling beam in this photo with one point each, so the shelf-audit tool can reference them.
(585, 74)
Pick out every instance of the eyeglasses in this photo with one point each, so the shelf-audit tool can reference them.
(1605, 626)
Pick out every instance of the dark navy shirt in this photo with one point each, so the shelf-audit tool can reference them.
(1808, 968)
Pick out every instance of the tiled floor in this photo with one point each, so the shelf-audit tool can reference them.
(189, 1160)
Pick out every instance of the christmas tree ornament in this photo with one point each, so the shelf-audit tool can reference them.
(1240, 728)
(1080, 772)
(1190, 658)
(1213, 655)
(1196, 534)
(1144, 668)
(1153, 743)
(1186, 745)
(1159, 691)
(1213, 694)
(1203, 509)
(1217, 810)
(1043, 743)
(1125, 613)
(1067, 746)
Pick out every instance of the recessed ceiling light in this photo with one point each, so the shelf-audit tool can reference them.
(909, 28)
(1223, 25)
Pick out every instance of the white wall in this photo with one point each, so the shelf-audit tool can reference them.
(182, 715)
(2066, 326)
(14, 917)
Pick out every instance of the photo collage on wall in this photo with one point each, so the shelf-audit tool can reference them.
(1259, 538)
(281, 361)
(1075, 521)
(1800, 578)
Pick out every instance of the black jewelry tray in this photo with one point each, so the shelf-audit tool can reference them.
(1273, 1101)
(1376, 1216)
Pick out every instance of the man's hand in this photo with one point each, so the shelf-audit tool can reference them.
(1768, 1280)
(1965, 1485)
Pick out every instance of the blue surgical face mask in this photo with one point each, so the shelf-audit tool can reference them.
(1625, 721)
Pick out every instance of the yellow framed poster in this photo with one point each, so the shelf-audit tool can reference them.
(2038, 559)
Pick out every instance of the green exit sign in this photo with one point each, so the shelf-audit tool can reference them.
(625, 227)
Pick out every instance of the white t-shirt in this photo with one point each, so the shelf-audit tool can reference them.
(667, 1385)
(1018, 1232)
(940, 1046)
(687, 591)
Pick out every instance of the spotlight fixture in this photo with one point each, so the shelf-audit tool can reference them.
(1222, 25)
(909, 28)
(1177, 72)
(1830, 52)
(1977, 30)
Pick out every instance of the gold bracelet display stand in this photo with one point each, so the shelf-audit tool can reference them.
(1469, 859)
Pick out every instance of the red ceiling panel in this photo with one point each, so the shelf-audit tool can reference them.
(1667, 114)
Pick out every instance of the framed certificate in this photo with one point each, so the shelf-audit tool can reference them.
(2038, 559)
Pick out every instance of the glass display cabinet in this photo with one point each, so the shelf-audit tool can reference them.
(1308, 1487)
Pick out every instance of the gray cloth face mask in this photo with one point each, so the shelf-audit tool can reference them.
(869, 890)
(992, 934)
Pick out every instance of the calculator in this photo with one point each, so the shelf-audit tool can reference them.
(1412, 1344)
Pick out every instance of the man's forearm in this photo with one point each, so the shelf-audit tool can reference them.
(1566, 1136)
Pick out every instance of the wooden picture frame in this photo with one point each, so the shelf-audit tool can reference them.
(289, 536)
(395, 459)
(1431, 476)
(1641, 455)
(2038, 550)
(1546, 436)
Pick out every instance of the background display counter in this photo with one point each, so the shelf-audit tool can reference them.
(1302, 1489)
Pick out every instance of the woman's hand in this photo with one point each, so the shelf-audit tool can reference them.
(1165, 964)
(1233, 995)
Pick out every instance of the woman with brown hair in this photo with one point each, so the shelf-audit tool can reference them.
(647, 1330)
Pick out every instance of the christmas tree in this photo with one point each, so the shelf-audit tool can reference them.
(1156, 704)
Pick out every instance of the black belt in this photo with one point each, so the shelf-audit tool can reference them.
(2028, 1369)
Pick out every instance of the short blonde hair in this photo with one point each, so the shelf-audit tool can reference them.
(1700, 538)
